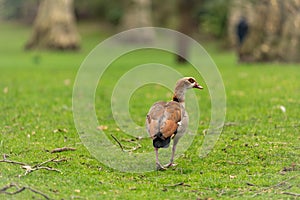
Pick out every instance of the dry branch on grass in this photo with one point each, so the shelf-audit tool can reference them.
(292, 194)
(178, 184)
(277, 185)
(123, 147)
(57, 150)
(19, 189)
(30, 168)
(11, 161)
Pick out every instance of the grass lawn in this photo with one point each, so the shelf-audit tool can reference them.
(257, 154)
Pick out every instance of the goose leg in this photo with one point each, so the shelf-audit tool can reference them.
(171, 163)
(158, 165)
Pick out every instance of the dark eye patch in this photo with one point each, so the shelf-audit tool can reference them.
(191, 80)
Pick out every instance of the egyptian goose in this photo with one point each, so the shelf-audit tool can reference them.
(169, 120)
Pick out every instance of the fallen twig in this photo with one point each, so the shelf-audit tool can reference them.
(122, 147)
(293, 167)
(232, 162)
(45, 162)
(274, 186)
(10, 161)
(20, 189)
(29, 168)
(250, 184)
(231, 124)
(57, 150)
(178, 184)
(288, 126)
(292, 194)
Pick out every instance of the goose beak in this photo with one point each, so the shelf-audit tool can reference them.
(198, 86)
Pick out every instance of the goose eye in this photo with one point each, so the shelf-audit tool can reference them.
(191, 80)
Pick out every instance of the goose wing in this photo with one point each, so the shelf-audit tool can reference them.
(163, 118)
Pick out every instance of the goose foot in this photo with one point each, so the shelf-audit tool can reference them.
(159, 167)
(170, 165)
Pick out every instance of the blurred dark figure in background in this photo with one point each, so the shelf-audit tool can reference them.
(241, 31)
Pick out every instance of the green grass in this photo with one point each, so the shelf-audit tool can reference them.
(257, 143)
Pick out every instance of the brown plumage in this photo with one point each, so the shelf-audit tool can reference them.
(169, 120)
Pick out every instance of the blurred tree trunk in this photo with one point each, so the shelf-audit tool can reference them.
(164, 14)
(29, 10)
(187, 25)
(54, 26)
(137, 13)
(2, 6)
(274, 30)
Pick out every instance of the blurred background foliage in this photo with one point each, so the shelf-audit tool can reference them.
(273, 24)
(214, 17)
(210, 14)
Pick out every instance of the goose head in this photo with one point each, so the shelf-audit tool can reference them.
(182, 85)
